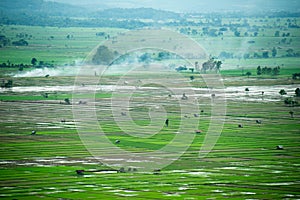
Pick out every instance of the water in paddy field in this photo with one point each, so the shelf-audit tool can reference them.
(236, 93)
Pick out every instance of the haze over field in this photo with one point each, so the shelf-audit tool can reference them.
(194, 5)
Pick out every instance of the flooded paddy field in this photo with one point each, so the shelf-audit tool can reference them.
(244, 163)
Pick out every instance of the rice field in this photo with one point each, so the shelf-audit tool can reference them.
(243, 164)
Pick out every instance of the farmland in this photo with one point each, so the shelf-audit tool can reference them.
(256, 155)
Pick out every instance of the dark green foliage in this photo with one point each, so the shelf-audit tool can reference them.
(21, 42)
(268, 71)
(248, 74)
(265, 54)
(282, 92)
(33, 61)
(258, 70)
(7, 84)
(67, 101)
(4, 41)
(290, 101)
(297, 92)
(296, 76)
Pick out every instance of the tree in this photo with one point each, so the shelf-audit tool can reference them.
(297, 92)
(248, 74)
(295, 76)
(265, 54)
(21, 42)
(208, 65)
(237, 33)
(67, 101)
(4, 41)
(33, 61)
(277, 34)
(276, 71)
(282, 92)
(7, 84)
(103, 56)
(218, 65)
(290, 101)
(258, 70)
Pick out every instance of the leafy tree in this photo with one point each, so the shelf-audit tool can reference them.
(295, 76)
(208, 65)
(145, 58)
(4, 41)
(218, 65)
(258, 71)
(282, 92)
(33, 61)
(237, 33)
(265, 54)
(21, 42)
(276, 71)
(297, 92)
(248, 74)
(103, 56)
(277, 34)
(290, 101)
(67, 101)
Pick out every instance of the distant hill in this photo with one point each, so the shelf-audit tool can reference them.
(32, 7)
(136, 13)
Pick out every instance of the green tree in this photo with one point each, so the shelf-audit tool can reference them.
(33, 61)
(258, 71)
(265, 54)
(218, 65)
(248, 74)
(103, 56)
(297, 92)
(282, 92)
(276, 71)
(67, 101)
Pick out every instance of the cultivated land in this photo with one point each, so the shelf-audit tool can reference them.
(244, 163)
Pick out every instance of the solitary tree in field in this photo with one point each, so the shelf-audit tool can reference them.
(33, 61)
(282, 92)
(248, 74)
(103, 56)
(297, 92)
(67, 101)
